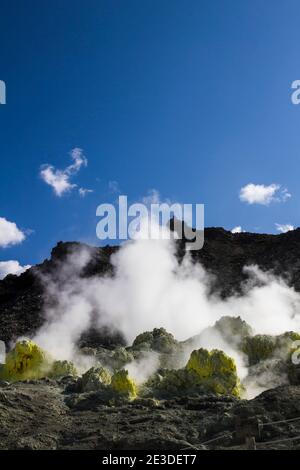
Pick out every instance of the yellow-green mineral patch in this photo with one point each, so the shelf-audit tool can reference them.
(215, 370)
(26, 361)
(206, 371)
(123, 384)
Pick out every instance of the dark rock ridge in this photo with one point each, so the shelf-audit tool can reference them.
(224, 255)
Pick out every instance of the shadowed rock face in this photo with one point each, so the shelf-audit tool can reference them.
(224, 255)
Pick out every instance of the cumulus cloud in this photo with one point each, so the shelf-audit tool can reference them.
(237, 229)
(60, 180)
(283, 228)
(10, 234)
(262, 194)
(12, 267)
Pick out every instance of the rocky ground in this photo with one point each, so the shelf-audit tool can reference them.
(55, 414)
(42, 415)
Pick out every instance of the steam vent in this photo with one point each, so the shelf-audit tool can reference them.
(113, 381)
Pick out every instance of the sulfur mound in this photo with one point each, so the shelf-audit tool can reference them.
(228, 329)
(285, 343)
(259, 348)
(215, 370)
(233, 329)
(25, 361)
(123, 384)
(61, 369)
(158, 340)
(168, 383)
(206, 371)
(95, 379)
(114, 359)
(263, 347)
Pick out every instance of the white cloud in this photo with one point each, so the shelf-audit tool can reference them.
(237, 229)
(79, 161)
(283, 228)
(261, 194)
(285, 195)
(10, 234)
(59, 180)
(12, 267)
(83, 191)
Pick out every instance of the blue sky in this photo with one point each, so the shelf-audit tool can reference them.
(190, 98)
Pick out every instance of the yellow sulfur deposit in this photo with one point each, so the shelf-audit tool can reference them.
(26, 361)
(215, 370)
(206, 371)
(122, 383)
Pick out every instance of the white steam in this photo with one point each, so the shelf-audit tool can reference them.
(140, 370)
(150, 289)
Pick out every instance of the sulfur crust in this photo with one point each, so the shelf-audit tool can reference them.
(122, 383)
